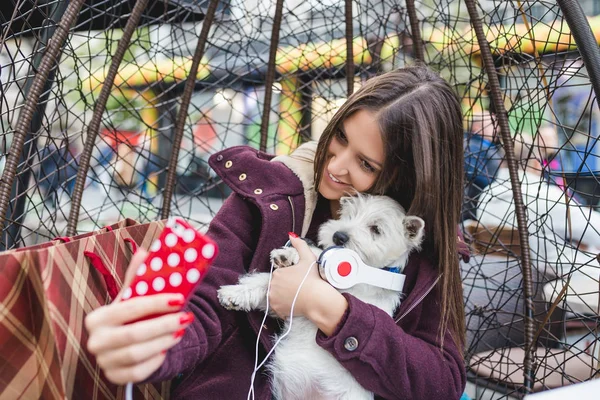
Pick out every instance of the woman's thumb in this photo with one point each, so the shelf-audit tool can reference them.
(137, 260)
(301, 246)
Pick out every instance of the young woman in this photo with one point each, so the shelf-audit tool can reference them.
(401, 135)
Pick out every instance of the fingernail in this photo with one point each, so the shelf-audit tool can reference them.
(292, 234)
(186, 318)
(164, 352)
(176, 302)
(179, 333)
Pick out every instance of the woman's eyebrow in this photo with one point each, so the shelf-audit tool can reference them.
(372, 161)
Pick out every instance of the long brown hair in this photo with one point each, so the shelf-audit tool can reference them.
(420, 119)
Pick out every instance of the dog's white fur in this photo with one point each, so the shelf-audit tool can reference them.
(383, 235)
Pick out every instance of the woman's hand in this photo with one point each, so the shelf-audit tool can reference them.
(132, 352)
(317, 300)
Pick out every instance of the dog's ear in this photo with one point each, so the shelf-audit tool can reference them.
(414, 228)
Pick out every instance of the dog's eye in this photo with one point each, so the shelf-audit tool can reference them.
(375, 229)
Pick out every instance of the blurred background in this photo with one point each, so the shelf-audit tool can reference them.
(546, 89)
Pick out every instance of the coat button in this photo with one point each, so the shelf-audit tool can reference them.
(257, 191)
(274, 207)
(228, 164)
(351, 343)
(242, 177)
(220, 157)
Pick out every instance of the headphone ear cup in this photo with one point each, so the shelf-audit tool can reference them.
(338, 266)
(342, 269)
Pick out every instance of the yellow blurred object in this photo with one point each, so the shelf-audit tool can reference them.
(290, 107)
(516, 38)
(134, 75)
(321, 55)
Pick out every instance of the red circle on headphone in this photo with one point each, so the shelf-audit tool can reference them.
(344, 268)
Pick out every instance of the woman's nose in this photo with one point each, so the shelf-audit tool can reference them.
(338, 165)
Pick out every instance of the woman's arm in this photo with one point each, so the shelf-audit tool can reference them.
(133, 352)
(394, 362)
(234, 229)
(397, 362)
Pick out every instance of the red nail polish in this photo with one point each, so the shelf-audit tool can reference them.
(176, 302)
(292, 234)
(179, 333)
(163, 352)
(186, 318)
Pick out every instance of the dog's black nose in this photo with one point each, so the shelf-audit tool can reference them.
(340, 238)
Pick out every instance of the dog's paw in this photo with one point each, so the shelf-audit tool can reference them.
(284, 257)
(232, 297)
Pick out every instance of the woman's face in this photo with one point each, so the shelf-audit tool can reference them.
(354, 158)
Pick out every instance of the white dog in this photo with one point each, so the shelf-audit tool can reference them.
(378, 229)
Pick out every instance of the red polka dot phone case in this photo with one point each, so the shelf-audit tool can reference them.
(178, 261)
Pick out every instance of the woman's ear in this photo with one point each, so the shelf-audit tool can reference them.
(414, 228)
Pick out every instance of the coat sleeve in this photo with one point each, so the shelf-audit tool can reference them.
(393, 363)
(234, 229)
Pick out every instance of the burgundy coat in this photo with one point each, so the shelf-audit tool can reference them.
(216, 355)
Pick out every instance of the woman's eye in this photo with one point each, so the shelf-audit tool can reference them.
(366, 166)
(341, 135)
(375, 229)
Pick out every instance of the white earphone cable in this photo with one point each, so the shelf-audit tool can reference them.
(129, 391)
(256, 368)
(258, 337)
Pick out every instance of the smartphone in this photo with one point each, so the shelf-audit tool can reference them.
(177, 262)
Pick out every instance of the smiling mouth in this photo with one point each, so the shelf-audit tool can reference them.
(333, 178)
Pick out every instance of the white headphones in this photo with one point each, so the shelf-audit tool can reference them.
(343, 268)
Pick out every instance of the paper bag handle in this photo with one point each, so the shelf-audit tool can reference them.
(109, 279)
(111, 283)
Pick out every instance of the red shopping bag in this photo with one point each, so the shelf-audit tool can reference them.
(46, 291)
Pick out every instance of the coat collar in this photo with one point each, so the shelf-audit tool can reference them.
(245, 169)
(301, 163)
(258, 175)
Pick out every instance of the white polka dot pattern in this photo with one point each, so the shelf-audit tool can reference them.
(208, 251)
(156, 264)
(173, 259)
(177, 261)
(171, 240)
(141, 288)
(158, 284)
(188, 236)
(175, 279)
(193, 275)
(190, 255)
(155, 246)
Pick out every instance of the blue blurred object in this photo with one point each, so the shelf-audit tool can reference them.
(482, 161)
(57, 169)
(465, 397)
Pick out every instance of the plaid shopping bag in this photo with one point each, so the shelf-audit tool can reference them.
(46, 291)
